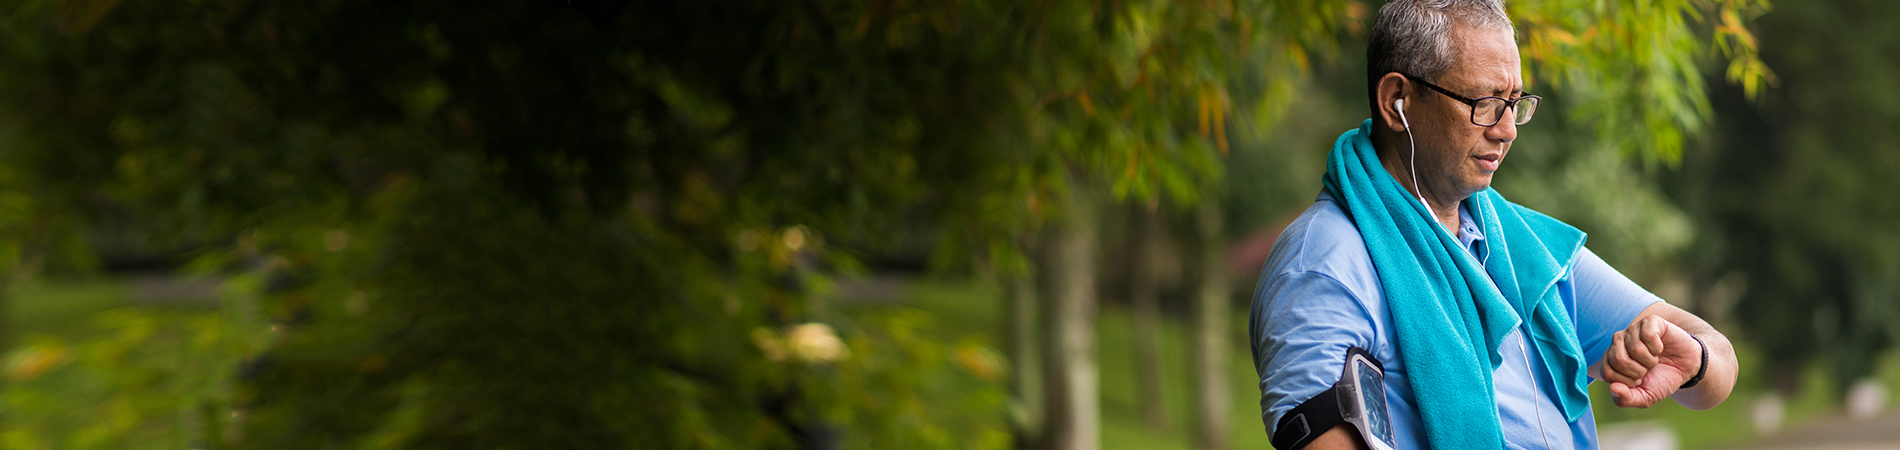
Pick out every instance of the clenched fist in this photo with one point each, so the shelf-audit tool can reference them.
(1648, 361)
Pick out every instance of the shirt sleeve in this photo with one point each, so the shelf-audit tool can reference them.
(1301, 325)
(1605, 302)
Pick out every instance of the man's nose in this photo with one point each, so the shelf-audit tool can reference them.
(1506, 128)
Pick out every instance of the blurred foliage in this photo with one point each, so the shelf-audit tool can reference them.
(534, 225)
(1795, 192)
(962, 407)
(1628, 81)
(1630, 67)
(1559, 169)
(518, 226)
(597, 224)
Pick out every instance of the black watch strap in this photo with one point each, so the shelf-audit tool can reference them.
(1699, 372)
(1306, 422)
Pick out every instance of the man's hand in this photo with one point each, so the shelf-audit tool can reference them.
(1648, 361)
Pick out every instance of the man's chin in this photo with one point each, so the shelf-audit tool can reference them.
(1477, 184)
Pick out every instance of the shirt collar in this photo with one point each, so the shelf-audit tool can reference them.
(1468, 233)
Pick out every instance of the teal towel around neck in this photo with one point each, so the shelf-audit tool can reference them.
(1449, 311)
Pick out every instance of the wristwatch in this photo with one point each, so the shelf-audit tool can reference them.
(1700, 371)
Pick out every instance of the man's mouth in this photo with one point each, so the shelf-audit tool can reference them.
(1489, 162)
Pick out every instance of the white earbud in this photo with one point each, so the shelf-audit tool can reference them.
(1399, 104)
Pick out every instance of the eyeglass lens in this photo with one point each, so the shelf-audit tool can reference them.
(1490, 110)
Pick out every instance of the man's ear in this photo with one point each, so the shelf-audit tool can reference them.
(1391, 87)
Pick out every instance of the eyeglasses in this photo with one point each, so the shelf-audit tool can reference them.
(1487, 111)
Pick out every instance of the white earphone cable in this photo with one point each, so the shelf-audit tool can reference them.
(1399, 105)
(1536, 390)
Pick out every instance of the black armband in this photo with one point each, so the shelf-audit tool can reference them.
(1358, 398)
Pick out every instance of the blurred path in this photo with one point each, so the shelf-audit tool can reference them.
(1840, 433)
(161, 289)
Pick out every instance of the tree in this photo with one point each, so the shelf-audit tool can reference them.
(1145, 297)
(1210, 324)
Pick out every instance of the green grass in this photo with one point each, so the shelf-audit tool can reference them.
(62, 308)
(1122, 424)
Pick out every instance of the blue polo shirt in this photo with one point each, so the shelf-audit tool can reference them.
(1319, 294)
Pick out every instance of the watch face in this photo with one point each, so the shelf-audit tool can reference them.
(1372, 394)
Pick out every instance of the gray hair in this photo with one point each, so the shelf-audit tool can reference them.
(1412, 36)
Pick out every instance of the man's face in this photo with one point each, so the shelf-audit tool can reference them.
(1455, 156)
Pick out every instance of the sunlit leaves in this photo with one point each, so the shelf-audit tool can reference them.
(1145, 98)
(1631, 68)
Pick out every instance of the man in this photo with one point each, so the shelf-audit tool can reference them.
(1489, 319)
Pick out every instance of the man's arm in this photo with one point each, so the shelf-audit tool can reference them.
(1302, 325)
(1651, 358)
(1341, 437)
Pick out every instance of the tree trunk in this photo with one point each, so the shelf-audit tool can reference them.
(1067, 273)
(1146, 296)
(6, 341)
(1027, 417)
(1210, 333)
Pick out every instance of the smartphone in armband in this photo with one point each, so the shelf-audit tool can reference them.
(1358, 398)
(1367, 411)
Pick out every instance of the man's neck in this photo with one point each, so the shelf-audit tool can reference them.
(1445, 211)
(1448, 215)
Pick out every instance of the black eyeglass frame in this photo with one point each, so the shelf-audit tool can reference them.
(1473, 102)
